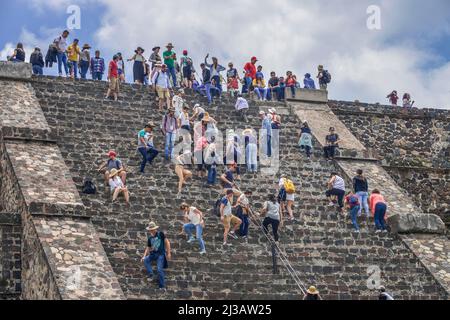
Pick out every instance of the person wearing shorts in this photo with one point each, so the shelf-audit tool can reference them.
(228, 219)
(113, 77)
(161, 84)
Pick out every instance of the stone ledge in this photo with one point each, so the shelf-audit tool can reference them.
(409, 223)
(307, 95)
(14, 70)
(7, 218)
(28, 134)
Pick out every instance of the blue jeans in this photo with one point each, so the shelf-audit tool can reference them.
(218, 83)
(269, 146)
(212, 174)
(243, 230)
(38, 70)
(159, 258)
(380, 212)
(363, 200)
(251, 154)
(170, 143)
(148, 155)
(354, 216)
(97, 76)
(62, 60)
(208, 92)
(292, 90)
(262, 93)
(247, 84)
(84, 66)
(74, 68)
(173, 74)
(189, 228)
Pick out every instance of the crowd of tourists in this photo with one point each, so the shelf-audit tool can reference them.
(169, 77)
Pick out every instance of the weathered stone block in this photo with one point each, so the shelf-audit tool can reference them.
(307, 95)
(15, 70)
(416, 223)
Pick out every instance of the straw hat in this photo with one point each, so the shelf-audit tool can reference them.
(170, 45)
(152, 226)
(86, 46)
(206, 117)
(113, 173)
(312, 290)
(156, 48)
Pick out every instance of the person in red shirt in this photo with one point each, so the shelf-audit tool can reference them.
(113, 77)
(393, 98)
(250, 74)
(291, 82)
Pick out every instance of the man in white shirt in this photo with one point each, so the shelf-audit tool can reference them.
(162, 86)
(61, 46)
(194, 222)
(242, 107)
(199, 113)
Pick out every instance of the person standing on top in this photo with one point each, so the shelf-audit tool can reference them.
(407, 103)
(138, 66)
(324, 77)
(393, 98)
(85, 60)
(215, 69)
(309, 82)
(250, 74)
(206, 76)
(73, 52)
(61, 47)
(162, 86)
(169, 60)
(113, 77)
(37, 62)
(121, 66)
(97, 67)
(187, 68)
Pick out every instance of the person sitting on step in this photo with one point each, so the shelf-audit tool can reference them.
(194, 222)
(117, 186)
(113, 163)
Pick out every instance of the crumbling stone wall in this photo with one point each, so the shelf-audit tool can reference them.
(10, 255)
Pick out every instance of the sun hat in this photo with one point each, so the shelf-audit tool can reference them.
(152, 226)
(262, 113)
(139, 48)
(206, 117)
(86, 46)
(113, 173)
(170, 45)
(156, 48)
(312, 290)
(197, 105)
(150, 125)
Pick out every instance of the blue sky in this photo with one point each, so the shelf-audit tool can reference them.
(411, 52)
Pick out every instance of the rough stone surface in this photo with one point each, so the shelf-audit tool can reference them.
(320, 118)
(305, 95)
(14, 70)
(10, 257)
(434, 253)
(321, 247)
(42, 174)
(416, 223)
(77, 259)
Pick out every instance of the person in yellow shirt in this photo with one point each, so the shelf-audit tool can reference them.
(73, 52)
(260, 87)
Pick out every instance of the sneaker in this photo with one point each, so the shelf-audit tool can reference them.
(227, 244)
(331, 204)
(232, 234)
(384, 231)
(192, 239)
(162, 290)
(203, 252)
(357, 231)
(378, 231)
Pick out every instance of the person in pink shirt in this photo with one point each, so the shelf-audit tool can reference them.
(378, 207)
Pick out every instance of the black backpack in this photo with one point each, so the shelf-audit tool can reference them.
(216, 209)
(89, 187)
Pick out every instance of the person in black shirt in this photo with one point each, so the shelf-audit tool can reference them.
(158, 249)
(361, 189)
(331, 143)
(37, 62)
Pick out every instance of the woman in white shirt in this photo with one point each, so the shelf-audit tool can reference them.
(194, 222)
(286, 199)
(117, 186)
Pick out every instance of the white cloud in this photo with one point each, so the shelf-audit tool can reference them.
(296, 35)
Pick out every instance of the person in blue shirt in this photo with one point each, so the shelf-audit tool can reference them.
(158, 249)
(309, 82)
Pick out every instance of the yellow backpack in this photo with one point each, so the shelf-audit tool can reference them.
(289, 186)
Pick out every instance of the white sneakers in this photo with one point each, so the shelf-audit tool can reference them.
(203, 252)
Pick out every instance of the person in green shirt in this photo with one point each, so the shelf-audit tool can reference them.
(169, 60)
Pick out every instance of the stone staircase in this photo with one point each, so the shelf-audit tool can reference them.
(321, 246)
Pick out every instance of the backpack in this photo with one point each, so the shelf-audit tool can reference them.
(353, 200)
(289, 186)
(326, 77)
(216, 209)
(89, 187)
